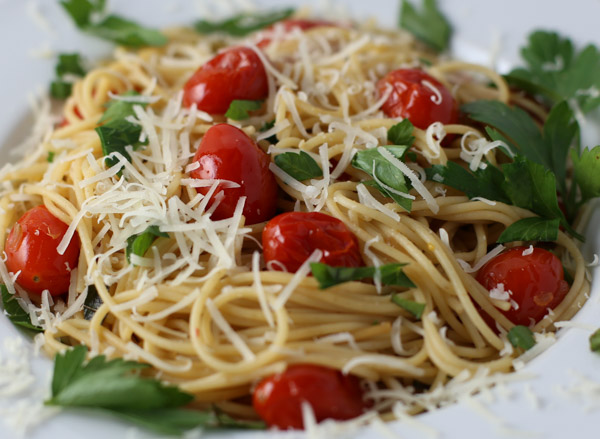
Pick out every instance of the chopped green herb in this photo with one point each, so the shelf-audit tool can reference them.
(521, 337)
(401, 133)
(239, 108)
(139, 244)
(556, 71)
(385, 173)
(300, 166)
(50, 157)
(69, 64)
(586, 166)
(17, 315)
(595, 341)
(116, 132)
(242, 24)
(92, 303)
(415, 308)
(60, 89)
(267, 126)
(111, 27)
(328, 276)
(531, 229)
(428, 25)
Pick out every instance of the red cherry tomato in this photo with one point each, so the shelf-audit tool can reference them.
(278, 399)
(293, 23)
(237, 73)
(535, 281)
(65, 122)
(291, 237)
(227, 153)
(31, 249)
(414, 97)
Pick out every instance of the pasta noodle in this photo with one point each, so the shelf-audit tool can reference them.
(200, 306)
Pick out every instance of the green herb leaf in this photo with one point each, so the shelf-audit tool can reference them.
(521, 337)
(555, 71)
(595, 341)
(300, 166)
(531, 229)
(116, 132)
(267, 126)
(17, 315)
(415, 308)
(401, 133)
(244, 23)
(60, 89)
(428, 25)
(69, 64)
(328, 276)
(239, 108)
(112, 27)
(586, 168)
(50, 157)
(139, 244)
(378, 167)
(92, 303)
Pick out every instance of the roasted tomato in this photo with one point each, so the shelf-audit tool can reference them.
(227, 153)
(237, 73)
(535, 282)
(290, 238)
(278, 399)
(290, 24)
(418, 97)
(31, 249)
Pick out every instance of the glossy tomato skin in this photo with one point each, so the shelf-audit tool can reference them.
(237, 73)
(294, 23)
(278, 399)
(535, 280)
(227, 153)
(291, 237)
(411, 98)
(31, 249)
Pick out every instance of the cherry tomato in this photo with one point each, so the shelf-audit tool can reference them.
(227, 153)
(237, 73)
(293, 23)
(65, 122)
(31, 249)
(291, 237)
(535, 281)
(278, 399)
(414, 97)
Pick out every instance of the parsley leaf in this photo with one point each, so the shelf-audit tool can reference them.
(68, 64)
(428, 25)
(267, 126)
(92, 303)
(139, 244)
(50, 157)
(415, 308)
(401, 133)
(521, 337)
(586, 168)
(116, 132)
(556, 71)
(17, 315)
(377, 166)
(328, 276)
(244, 23)
(111, 27)
(239, 108)
(531, 229)
(300, 166)
(595, 341)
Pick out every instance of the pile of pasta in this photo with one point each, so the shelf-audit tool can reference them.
(200, 306)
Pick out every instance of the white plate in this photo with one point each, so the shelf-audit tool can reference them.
(485, 32)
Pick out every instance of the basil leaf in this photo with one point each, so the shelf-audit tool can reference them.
(242, 24)
(415, 308)
(521, 337)
(239, 108)
(139, 244)
(17, 315)
(92, 303)
(328, 276)
(300, 166)
(595, 341)
(112, 27)
(428, 25)
(378, 167)
(531, 229)
(401, 133)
